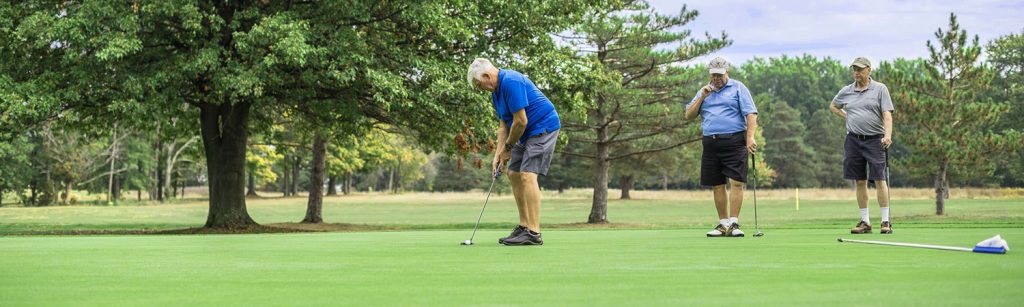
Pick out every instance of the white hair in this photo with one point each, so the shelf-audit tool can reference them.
(478, 68)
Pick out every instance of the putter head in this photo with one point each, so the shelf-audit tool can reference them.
(759, 234)
(467, 242)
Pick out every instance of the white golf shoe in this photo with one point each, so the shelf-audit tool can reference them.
(734, 230)
(719, 231)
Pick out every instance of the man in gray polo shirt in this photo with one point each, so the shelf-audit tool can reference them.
(867, 109)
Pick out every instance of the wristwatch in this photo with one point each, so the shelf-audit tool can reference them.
(508, 147)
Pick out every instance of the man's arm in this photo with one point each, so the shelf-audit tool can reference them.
(519, 122)
(751, 130)
(500, 150)
(694, 109)
(502, 135)
(887, 123)
(836, 110)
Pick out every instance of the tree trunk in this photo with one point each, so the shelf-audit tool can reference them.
(391, 179)
(225, 133)
(599, 207)
(664, 181)
(398, 182)
(33, 192)
(113, 159)
(252, 185)
(158, 191)
(138, 194)
(67, 192)
(941, 189)
(348, 183)
(331, 189)
(626, 183)
(314, 206)
(168, 168)
(284, 179)
(296, 167)
(115, 190)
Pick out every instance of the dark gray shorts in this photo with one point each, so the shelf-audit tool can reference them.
(535, 155)
(864, 158)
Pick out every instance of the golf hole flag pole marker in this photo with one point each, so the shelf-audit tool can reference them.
(993, 245)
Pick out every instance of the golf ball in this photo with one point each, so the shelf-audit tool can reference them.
(467, 242)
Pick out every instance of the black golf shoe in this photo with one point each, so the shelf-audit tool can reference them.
(527, 237)
(515, 232)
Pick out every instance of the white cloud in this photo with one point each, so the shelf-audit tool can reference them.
(883, 30)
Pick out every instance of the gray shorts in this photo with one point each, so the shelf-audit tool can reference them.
(535, 155)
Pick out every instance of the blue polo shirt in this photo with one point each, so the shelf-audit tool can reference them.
(726, 110)
(516, 92)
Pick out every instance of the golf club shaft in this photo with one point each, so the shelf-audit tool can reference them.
(951, 248)
(493, 179)
(888, 184)
(753, 160)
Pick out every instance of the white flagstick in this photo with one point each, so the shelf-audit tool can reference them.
(950, 248)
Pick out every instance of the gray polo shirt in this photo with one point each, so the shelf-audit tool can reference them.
(864, 108)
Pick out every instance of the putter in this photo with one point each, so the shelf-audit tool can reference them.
(757, 229)
(493, 179)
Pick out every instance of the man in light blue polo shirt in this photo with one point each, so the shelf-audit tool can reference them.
(527, 133)
(729, 121)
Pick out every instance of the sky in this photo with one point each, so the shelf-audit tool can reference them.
(843, 30)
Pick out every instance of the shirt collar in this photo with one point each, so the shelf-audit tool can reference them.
(501, 76)
(728, 84)
(871, 85)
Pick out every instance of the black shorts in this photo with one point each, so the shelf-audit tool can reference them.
(864, 158)
(724, 156)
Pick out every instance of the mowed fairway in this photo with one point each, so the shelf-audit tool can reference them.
(660, 258)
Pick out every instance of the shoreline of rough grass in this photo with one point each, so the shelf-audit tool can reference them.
(194, 195)
(450, 211)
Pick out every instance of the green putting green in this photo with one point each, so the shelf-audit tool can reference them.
(654, 253)
(575, 267)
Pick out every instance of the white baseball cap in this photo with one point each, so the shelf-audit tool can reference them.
(718, 65)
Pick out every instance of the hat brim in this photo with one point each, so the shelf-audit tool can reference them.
(716, 70)
(858, 65)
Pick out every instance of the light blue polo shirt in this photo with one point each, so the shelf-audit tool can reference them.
(726, 110)
(516, 92)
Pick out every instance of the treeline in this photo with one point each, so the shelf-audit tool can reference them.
(245, 98)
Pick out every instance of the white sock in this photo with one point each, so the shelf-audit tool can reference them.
(885, 214)
(724, 222)
(733, 220)
(864, 215)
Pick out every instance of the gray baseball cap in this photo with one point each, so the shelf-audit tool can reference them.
(861, 62)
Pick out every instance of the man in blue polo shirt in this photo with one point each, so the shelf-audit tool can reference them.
(729, 121)
(527, 132)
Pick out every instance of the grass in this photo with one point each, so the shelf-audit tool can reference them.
(459, 210)
(403, 250)
(620, 267)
